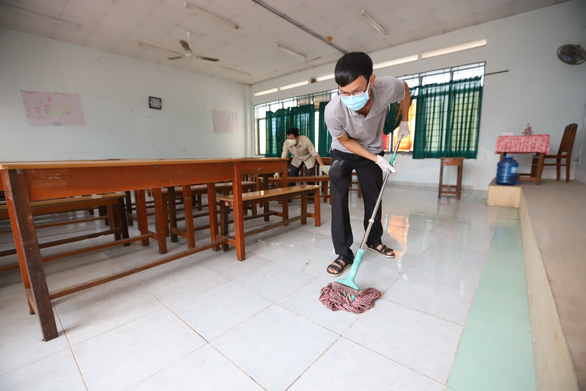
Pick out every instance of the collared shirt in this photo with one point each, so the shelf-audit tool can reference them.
(303, 152)
(367, 130)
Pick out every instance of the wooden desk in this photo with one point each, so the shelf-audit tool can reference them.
(538, 143)
(24, 182)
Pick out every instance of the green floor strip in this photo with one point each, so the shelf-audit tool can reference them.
(496, 351)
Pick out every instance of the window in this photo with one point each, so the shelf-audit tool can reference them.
(451, 120)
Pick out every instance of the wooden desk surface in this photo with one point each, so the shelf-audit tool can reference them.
(56, 179)
(123, 162)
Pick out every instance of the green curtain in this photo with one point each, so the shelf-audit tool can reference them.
(303, 118)
(277, 123)
(447, 120)
(276, 126)
(325, 138)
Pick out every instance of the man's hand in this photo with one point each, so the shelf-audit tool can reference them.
(403, 130)
(384, 164)
(277, 175)
(325, 170)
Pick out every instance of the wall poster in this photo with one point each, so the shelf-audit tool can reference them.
(52, 108)
(224, 121)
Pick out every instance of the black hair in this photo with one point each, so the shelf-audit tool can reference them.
(351, 66)
(293, 131)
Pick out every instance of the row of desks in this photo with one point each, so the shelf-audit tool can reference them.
(24, 182)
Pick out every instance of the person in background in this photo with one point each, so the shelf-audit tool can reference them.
(355, 118)
(303, 152)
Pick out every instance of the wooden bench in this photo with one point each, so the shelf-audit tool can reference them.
(324, 181)
(114, 216)
(283, 194)
(196, 191)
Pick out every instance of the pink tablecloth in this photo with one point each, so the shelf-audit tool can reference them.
(523, 144)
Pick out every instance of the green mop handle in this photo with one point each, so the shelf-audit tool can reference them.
(349, 281)
(378, 200)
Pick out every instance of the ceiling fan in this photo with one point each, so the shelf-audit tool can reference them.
(187, 53)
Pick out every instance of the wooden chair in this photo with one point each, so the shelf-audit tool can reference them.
(451, 189)
(564, 155)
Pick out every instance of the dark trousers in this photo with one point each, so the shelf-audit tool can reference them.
(294, 171)
(370, 177)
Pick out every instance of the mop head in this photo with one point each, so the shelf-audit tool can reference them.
(338, 296)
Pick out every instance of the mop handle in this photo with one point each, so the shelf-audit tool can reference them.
(380, 196)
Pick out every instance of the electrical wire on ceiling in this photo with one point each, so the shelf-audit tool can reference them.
(302, 27)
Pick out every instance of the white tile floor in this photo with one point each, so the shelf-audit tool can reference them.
(209, 322)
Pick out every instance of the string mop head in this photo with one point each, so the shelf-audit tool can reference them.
(346, 295)
(337, 297)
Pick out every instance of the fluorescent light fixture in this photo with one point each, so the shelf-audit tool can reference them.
(325, 77)
(291, 52)
(293, 85)
(373, 22)
(396, 61)
(211, 16)
(269, 91)
(42, 16)
(455, 48)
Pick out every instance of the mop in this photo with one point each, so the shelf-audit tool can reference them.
(345, 294)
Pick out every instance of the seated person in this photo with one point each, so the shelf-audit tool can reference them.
(303, 152)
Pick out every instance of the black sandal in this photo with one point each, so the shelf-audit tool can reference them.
(384, 250)
(338, 265)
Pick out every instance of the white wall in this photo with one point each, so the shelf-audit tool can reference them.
(538, 88)
(114, 92)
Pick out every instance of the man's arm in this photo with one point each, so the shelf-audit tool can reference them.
(404, 107)
(356, 148)
(405, 103)
(319, 161)
(285, 153)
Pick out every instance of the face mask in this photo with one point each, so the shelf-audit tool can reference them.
(291, 142)
(356, 102)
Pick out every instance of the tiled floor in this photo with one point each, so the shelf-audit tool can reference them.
(454, 302)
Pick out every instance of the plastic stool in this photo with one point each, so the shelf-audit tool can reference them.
(451, 189)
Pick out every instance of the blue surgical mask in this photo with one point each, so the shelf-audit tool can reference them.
(356, 102)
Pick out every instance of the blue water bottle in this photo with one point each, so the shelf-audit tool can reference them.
(506, 172)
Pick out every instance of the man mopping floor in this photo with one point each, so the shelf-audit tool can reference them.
(355, 118)
(345, 294)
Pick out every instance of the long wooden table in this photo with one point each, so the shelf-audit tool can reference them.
(24, 182)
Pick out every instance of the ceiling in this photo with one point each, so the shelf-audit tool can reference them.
(249, 54)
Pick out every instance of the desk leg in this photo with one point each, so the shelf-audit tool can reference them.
(188, 211)
(172, 213)
(139, 199)
(238, 213)
(160, 220)
(213, 213)
(265, 179)
(129, 207)
(503, 154)
(27, 247)
(540, 168)
(316, 211)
